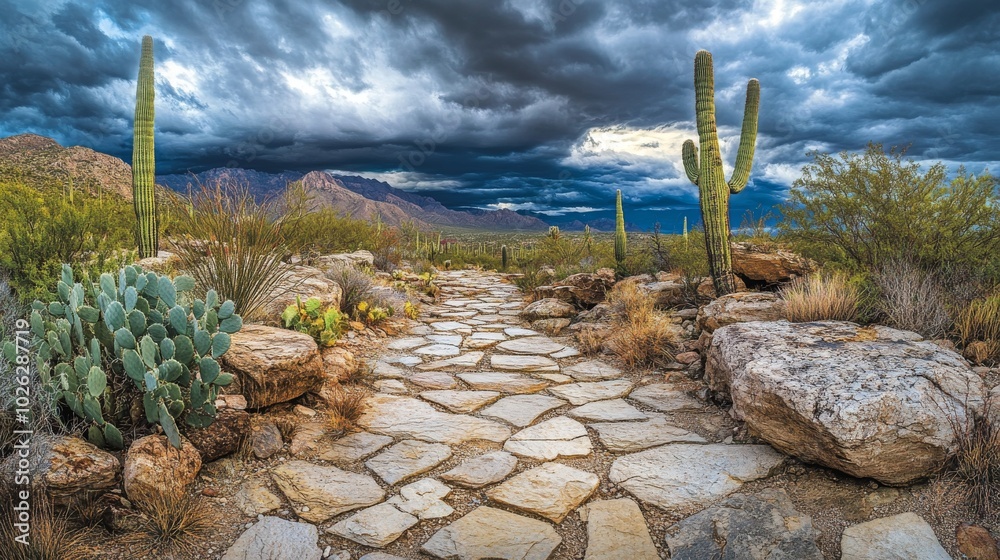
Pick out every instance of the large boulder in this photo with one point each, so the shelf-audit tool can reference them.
(758, 265)
(304, 282)
(273, 365)
(740, 307)
(549, 308)
(359, 259)
(66, 467)
(872, 402)
(223, 437)
(584, 290)
(154, 467)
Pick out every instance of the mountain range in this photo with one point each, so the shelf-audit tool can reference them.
(40, 162)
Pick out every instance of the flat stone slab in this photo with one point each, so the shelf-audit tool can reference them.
(899, 537)
(319, 493)
(583, 393)
(469, 360)
(490, 533)
(407, 343)
(393, 386)
(531, 345)
(385, 370)
(376, 526)
(742, 526)
(511, 362)
(687, 477)
(614, 527)
(354, 447)
(461, 402)
(592, 370)
(408, 361)
(447, 326)
(666, 398)
(629, 437)
(522, 410)
(438, 350)
(558, 437)
(254, 499)
(408, 458)
(567, 352)
(615, 410)
(487, 468)
(449, 339)
(503, 382)
(274, 537)
(406, 417)
(433, 380)
(519, 331)
(423, 498)
(551, 490)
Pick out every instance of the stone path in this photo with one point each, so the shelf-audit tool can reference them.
(485, 438)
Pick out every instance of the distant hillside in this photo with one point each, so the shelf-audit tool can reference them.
(40, 162)
(369, 197)
(598, 225)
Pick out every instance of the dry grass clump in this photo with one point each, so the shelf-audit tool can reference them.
(590, 341)
(173, 525)
(913, 299)
(978, 328)
(820, 297)
(346, 405)
(52, 537)
(975, 466)
(642, 336)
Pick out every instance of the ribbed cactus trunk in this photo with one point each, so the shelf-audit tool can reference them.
(619, 229)
(143, 165)
(503, 257)
(708, 174)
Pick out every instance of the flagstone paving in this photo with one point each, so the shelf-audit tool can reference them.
(487, 439)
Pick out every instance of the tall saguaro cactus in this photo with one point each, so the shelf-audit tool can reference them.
(619, 229)
(143, 164)
(708, 175)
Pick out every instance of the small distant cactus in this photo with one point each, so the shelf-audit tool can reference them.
(620, 238)
(554, 233)
(143, 163)
(504, 257)
(706, 172)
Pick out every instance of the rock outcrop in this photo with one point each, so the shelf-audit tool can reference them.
(584, 290)
(273, 365)
(65, 466)
(872, 402)
(759, 265)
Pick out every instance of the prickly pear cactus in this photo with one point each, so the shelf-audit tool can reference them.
(143, 328)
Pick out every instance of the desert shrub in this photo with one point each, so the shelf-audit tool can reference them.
(590, 341)
(912, 299)
(356, 286)
(977, 326)
(875, 207)
(324, 325)
(975, 464)
(40, 231)
(52, 536)
(820, 297)
(100, 346)
(172, 525)
(641, 335)
(346, 405)
(236, 245)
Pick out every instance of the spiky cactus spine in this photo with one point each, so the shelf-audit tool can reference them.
(503, 257)
(143, 165)
(619, 229)
(708, 175)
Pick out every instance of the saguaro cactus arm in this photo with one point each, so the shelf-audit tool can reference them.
(690, 153)
(748, 139)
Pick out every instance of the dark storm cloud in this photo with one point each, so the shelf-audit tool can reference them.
(542, 105)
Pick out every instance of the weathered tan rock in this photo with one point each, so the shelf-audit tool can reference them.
(551, 490)
(223, 436)
(254, 499)
(164, 262)
(900, 537)
(359, 259)
(319, 493)
(976, 542)
(557, 437)
(628, 437)
(550, 326)
(485, 469)
(274, 537)
(65, 466)
(615, 527)
(584, 290)
(406, 459)
(740, 307)
(755, 263)
(354, 447)
(153, 466)
(873, 402)
(376, 526)
(411, 418)
(487, 532)
(265, 437)
(338, 364)
(304, 282)
(549, 308)
(274, 365)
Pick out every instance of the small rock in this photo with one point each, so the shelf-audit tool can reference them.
(616, 526)
(376, 526)
(266, 439)
(976, 543)
(153, 466)
(273, 538)
(899, 537)
(487, 532)
(485, 469)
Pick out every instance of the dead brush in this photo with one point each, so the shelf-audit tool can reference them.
(590, 341)
(976, 461)
(360, 374)
(51, 537)
(346, 405)
(642, 337)
(978, 328)
(173, 525)
(820, 297)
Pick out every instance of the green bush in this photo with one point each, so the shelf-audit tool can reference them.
(141, 327)
(325, 326)
(868, 209)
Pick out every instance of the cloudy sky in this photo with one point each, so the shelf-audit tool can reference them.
(539, 105)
